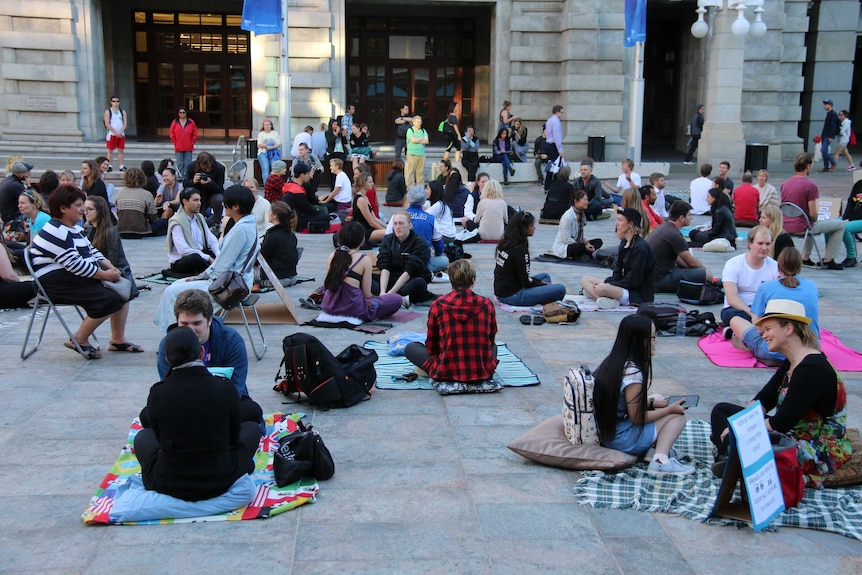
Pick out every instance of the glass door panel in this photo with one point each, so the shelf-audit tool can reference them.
(421, 96)
(213, 84)
(239, 102)
(192, 99)
(375, 100)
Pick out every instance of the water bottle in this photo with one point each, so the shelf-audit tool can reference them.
(680, 323)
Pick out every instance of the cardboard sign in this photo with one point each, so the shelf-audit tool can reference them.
(828, 208)
(270, 313)
(751, 465)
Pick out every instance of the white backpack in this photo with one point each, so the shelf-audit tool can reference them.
(579, 418)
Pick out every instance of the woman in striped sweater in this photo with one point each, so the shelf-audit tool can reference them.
(72, 271)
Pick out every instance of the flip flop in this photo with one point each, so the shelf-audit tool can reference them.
(90, 352)
(129, 347)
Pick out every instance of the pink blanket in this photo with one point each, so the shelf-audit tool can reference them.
(722, 353)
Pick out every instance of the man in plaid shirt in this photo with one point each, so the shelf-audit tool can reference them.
(461, 328)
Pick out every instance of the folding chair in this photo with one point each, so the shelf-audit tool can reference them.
(43, 301)
(791, 210)
(250, 302)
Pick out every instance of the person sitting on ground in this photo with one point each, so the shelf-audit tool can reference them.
(442, 213)
(559, 196)
(633, 276)
(473, 193)
(722, 225)
(746, 200)
(275, 181)
(772, 218)
(316, 171)
(374, 228)
(745, 334)
(191, 246)
(105, 237)
(48, 182)
(11, 188)
(461, 329)
(657, 181)
(206, 175)
(632, 199)
(492, 215)
(628, 180)
(648, 199)
(278, 246)
(591, 184)
(348, 283)
(153, 183)
(700, 189)
(627, 418)
(237, 253)
(295, 195)
(91, 181)
(339, 199)
(744, 273)
(260, 211)
(569, 243)
(223, 346)
(72, 272)
(769, 196)
(403, 261)
(194, 445)
(136, 208)
(167, 198)
(14, 293)
(806, 392)
(67, 178)
(513, 283)
(396, 187)
(425, 225)
(371, 193)
(457, 194)
(852, 217)
(303, 137)
(674, 262)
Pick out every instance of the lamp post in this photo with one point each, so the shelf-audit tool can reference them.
(723, 138)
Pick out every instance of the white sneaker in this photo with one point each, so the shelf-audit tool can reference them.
(688, 163)
(674, 454)
(607, 303)
(440, 278)
(405, 301)
(671, 467)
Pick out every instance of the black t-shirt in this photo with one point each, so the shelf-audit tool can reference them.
(666, 243)
(512, 271)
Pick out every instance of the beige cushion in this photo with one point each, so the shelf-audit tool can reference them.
(851, 472)
(547, 444)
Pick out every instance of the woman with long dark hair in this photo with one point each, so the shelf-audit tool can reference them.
(513, 283)
(502, 149)
(455, 194)
(440, 210)
(348, 281)
(184, 135)
(627, 418)
(723, 224)
(105, 237)
(278, 246)
(91, 181)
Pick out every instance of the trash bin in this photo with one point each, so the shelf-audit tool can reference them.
(756, 157)
(596, 148)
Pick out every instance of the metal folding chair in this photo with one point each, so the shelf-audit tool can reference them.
(250, 302)
(43, 301)
(791, 210)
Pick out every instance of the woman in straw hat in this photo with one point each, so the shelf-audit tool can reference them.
(806, 394)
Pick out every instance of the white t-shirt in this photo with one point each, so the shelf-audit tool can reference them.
(345, 194)
(300, 138)
(699, 190)
(746, 278)
(623, 183)
(443, 219)
(660, 205)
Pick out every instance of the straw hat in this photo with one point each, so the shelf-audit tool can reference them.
(786, 308)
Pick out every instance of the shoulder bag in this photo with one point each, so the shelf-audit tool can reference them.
(229, 289)
(122, 287)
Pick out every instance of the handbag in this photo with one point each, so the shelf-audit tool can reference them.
(699, 293)
(358, 363)
(561, 311)
(789, 469)
(122, 287)
(229, 289)
(302, 454)
(555, 166)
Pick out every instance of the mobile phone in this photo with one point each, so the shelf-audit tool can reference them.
(688, 400)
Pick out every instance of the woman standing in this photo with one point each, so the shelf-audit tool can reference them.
(505, 116)
(843, 138)
(519, 140)
(91, 180)
(268, 148)
(502, 149)
(278, 246)
(105, 237)
(453, 134)
(403, 261)
(348, 281)
(513, 283)
(627, 418)
(184, 135)
(723, 223)
(807, 394)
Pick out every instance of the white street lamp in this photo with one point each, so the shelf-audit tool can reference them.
(741, 25)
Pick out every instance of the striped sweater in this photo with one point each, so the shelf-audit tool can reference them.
(59, 247)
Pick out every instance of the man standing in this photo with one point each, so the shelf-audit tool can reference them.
(191, 245)
(723, 169)
(827, 135)
(417, 137)
(304, 137)
(553, 140)
(13, 186)
(803, 192)
(699, 189)
(116, 123)
(696, 132)
(402, 124)
(673, 260)
(540, 157)
(658, 184)
(470, 149)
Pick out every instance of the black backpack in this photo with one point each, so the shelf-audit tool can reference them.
(311, 369)
(664, 316)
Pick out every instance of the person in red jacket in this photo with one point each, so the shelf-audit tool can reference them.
(184, 135)
(746, 199)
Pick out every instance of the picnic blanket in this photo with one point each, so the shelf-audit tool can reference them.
(269, 500)
(836, 510)
(373, 327)
(334, 228)
(741, 236)
(158, 278)
(721, 352)
(511, 371)
(552, 259)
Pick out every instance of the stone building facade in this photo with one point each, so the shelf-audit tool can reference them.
(62, 60)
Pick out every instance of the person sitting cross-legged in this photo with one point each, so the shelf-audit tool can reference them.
(674, 262)
(191, 246)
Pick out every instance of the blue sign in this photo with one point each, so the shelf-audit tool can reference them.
(262, 16)
(635, 22)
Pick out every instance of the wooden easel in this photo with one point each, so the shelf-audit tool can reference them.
(271, 312)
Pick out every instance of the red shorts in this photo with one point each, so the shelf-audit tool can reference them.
(114, 142)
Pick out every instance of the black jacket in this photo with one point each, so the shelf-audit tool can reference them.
(279, 250)
(634, 270)
(214, 186)
(411, 256)
(593, 187)
(330, 142)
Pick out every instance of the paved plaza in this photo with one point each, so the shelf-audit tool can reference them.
(423, 483)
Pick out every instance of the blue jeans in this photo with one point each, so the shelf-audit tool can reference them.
(184, 160)
(438, 263)
(758, 348)
(264, 166)
(521, 151)
(731, 312)
(827, 156)
(536, 295)
(507, 163)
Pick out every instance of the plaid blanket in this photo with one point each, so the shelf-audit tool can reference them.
(836, 510)
(511, 371)
(270, 499)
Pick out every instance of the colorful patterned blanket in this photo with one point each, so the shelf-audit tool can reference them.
(838, 510)
(269, 500)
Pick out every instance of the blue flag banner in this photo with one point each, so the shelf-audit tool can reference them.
(262, 16)
(635, 22)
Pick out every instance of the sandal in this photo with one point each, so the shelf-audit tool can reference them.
(90, 352)
(129, 347)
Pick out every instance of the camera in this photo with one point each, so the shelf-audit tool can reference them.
(203, 176)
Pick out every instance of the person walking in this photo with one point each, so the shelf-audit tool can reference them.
(696, 131)
(828, 135)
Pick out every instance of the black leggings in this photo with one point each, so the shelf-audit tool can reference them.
(718, 419)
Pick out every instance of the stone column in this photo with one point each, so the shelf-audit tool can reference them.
(722, 132)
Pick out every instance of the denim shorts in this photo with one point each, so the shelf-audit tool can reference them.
(633, 439)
